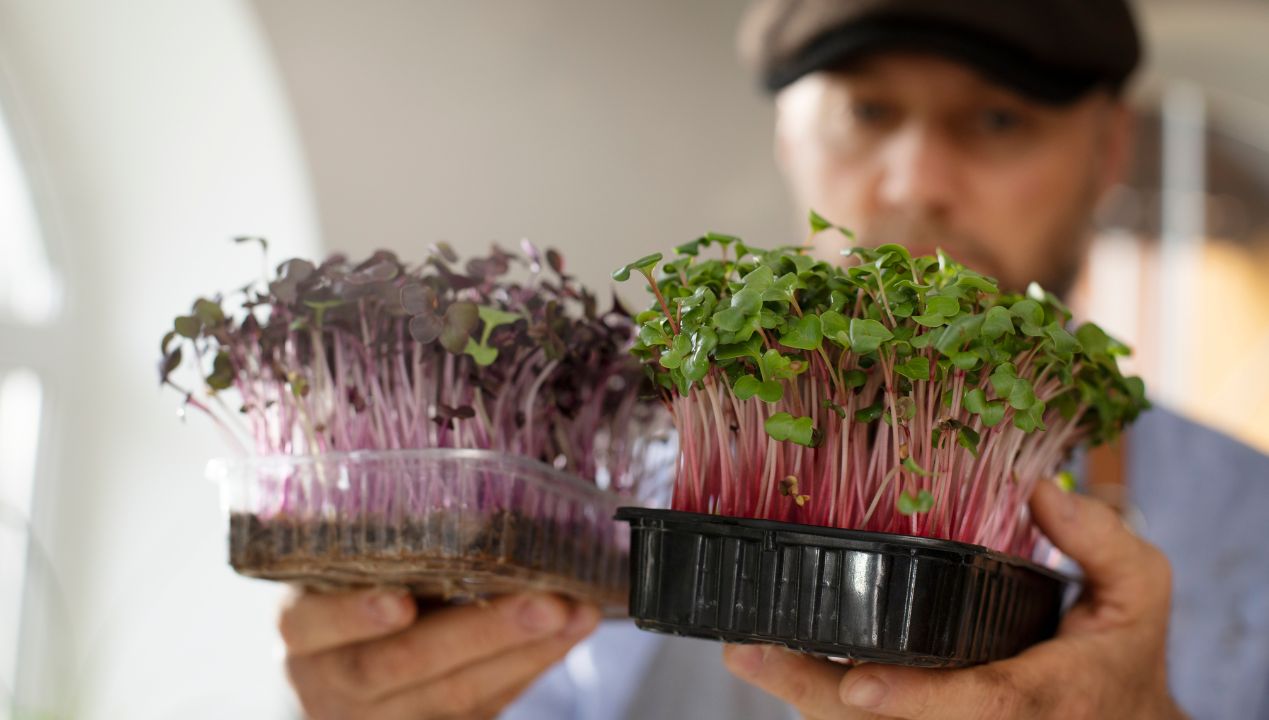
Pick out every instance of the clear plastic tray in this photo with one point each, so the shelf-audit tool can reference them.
(443, 522)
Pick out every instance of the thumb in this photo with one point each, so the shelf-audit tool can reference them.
(1119, 567)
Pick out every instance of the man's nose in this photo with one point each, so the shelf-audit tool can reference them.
(919, 172)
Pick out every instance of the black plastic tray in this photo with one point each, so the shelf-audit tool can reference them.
(873, 597)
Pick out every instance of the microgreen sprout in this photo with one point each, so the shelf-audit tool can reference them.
(379, 355)
(897, 394)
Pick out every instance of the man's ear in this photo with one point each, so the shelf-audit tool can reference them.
(1120, 140)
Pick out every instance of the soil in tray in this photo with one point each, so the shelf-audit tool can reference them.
(437, 554)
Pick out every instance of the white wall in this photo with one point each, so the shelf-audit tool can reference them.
(155, 131)
(603, 127)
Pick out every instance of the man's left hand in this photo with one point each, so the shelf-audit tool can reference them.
(1107, 660)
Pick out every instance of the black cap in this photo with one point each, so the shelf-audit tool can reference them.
(1053, 51)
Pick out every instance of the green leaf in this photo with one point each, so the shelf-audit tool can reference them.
(1031, 419)
(701, 301)
(1022, 395)
(993, 413)
(695, 366)
(835, 327)
(968, 438)
(650, 315)
(1136, 389)
(930, 321)
(927, 339)
(729, 319)
(1064, 343)
(802, 263)
(909, 505)
(975, 401)
(782, 288)
(854, 379)
(721, 238)
(692, 248)
(1067, 404)
(644, 264)
(771, 391)
(940, 305)
(964, 360)
(804, 333)
(783, 426)
(1003, 379)
(748, 386)
(911, 466)
(493, 318)
(747, 300)
(775, 366)
(818, 223)
(679, 348)
(916, 368)
(482, 354)
(222, 374)
(653, 335)
(208, 312)
(961, 331)
(870, 413)
(188, 326)
(837, 409)
(1093, 340)
(866, 335)
(750, 348)
(998, 322)
(169, 363)
(1032, 316)
(460, 320)
(759, 279)
(977, 282)
(894, 249)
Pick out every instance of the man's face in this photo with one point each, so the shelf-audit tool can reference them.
(924, 152)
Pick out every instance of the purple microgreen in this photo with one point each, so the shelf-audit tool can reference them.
(377, 354)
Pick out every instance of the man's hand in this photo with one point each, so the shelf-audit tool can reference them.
(370, 656)
(1107, 660)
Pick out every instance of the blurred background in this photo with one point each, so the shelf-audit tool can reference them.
(138, 136)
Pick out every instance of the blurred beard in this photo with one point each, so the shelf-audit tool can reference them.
(922, 235)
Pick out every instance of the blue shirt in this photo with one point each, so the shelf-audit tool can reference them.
(1203, 499)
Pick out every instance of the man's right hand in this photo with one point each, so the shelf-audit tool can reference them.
(371, 656)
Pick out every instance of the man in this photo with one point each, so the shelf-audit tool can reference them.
(989, 129)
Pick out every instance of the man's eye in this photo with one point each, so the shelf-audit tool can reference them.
(999, 120)
(870, 113)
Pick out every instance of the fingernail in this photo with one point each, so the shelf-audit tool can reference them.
(747, 659)
(542, 615)
(386, 608)
(865, 692)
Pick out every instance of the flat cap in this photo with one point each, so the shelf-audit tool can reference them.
(1053, 51)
